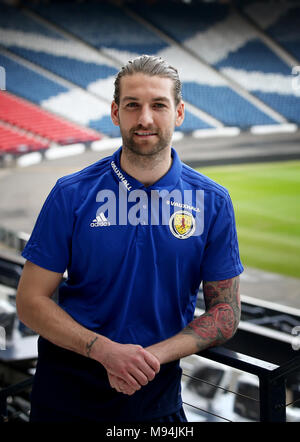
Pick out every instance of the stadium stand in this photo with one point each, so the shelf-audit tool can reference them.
(27, 83)
(43, 46)
(195, 29)
(223, 39)
(281, 23)
(202, 86)
(14, 141)
(73, 103)
(30, 117)
(63, 56)
(72, 61)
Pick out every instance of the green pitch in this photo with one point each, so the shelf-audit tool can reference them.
(266, 198)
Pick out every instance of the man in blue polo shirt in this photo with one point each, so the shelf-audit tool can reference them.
(137, 233)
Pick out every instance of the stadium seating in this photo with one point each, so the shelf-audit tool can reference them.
(34, 41)
(99, 37)
(262, 73)
(15, 142)
(73, 104)
(103, 26)
(222, 38)
(45, 48)
(88, 17)
(282, 23)
(27, 116)
(25, 82)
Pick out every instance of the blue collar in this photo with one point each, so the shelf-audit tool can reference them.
(168, 181)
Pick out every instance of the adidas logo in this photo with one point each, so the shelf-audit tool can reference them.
(100, 221)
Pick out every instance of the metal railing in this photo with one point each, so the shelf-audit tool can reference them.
(272, 381)
(9, 392)
(272, 377)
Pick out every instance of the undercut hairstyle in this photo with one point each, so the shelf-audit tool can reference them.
(149, 65)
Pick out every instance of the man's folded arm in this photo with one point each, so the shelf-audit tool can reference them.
(214, 327)
(132, 363)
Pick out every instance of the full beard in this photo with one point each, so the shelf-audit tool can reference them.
(144, 149)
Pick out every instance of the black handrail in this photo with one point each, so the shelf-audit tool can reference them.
(12, 390)
(272, 379)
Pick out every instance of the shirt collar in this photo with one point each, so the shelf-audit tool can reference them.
(168, 181)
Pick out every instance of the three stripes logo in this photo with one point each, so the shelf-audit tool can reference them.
(100, 221)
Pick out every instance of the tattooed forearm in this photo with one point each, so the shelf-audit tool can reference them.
(220, 321)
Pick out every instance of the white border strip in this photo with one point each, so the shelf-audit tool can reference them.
(177, 136)
(106, 144)
(218, 132)
(258, 302)
(64, 151)
(273, 129)
(267, 332)
(29, 159)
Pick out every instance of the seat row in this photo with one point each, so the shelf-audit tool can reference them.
(30, 117)
(13, 141)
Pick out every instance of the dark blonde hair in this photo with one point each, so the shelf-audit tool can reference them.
(149, 65)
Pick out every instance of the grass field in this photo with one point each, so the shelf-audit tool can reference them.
(266, 198)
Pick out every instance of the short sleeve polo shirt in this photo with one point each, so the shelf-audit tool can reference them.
(135, 255)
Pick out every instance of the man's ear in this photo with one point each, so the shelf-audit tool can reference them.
(114, 113)
(179, 114)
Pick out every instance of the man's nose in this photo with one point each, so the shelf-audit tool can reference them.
(146, 116)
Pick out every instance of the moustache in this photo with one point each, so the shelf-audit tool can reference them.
(144, 129)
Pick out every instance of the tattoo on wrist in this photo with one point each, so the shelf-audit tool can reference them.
(89, 346)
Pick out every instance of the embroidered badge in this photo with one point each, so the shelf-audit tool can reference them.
(182, 224)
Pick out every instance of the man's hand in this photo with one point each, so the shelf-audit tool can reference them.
(129, 366)
(121, 386)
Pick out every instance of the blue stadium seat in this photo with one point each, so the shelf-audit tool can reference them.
(38, 89)
(284, 28)
(224, 40)
(40, 45)
(179, 20)
(76, 71)
(103, 26)
(12, 18)
(287, 31)
(191, 123)
(105, 126)
(254, 57)
(133, 38)
(28, 84)
(96, 23)
(225, 105)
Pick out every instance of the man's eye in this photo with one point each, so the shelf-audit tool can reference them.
(131, 105)
(159, 105)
